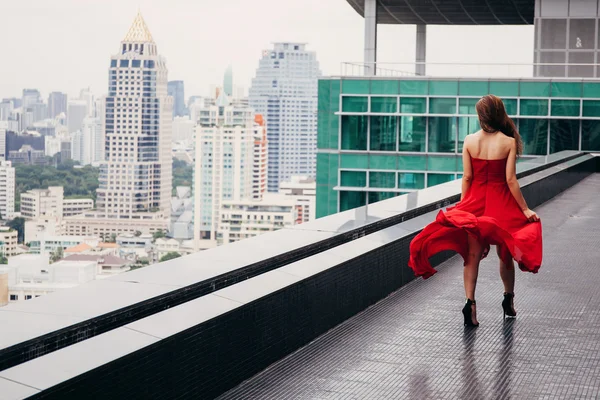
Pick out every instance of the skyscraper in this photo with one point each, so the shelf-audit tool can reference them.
(76, 112)
(284, 91)
(135, 180)
(87, 145)
(228, 81)
(176, 90)
(30, 97)
(57, 103)
(231, 157)
(7, 190)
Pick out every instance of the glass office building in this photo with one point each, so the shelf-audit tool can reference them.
(382, 137)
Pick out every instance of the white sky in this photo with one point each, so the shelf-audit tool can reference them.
(66, 45)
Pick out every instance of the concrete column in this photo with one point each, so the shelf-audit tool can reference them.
(370, 36)
(421, 50)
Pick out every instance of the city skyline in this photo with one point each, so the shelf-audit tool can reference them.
(330, 28)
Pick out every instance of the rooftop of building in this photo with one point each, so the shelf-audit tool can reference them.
(451, 12)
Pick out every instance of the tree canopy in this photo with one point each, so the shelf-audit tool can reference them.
(169, 256)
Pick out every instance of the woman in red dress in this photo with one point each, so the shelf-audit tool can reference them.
(491, 211)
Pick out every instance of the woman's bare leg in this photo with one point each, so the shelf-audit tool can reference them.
(471, 271)
(507, 272)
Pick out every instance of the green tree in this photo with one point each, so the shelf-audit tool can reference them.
(3, 259)
(18, 224)
(57, 255)
(169, 256)
(183, 174)
(159, 234)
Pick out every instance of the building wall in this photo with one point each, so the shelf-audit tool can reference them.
(284, 91)
(380, 138)
(38, 202)
(73, 207)
(7, 190)
(8, 241)
(104, 227)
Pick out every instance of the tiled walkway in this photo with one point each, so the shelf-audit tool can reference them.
(412, 344)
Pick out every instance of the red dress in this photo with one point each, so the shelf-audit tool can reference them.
(490, 213)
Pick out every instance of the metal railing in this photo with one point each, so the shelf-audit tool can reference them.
(471, 70)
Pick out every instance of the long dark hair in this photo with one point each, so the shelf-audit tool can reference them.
(493, 118)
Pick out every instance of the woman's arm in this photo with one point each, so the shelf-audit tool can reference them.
(513, 183)
(467, 177)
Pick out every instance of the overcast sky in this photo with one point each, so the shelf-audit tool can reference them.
(65, 45)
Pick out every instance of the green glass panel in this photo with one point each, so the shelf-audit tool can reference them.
(437, 179)
(353, 178)
(459, 176)
(351, 200)
(335, 96)
(323, 131)
(534, 133)
(374, 197)
(565, 108)
(334, 131)
(322, 209)
(354, 132)
(411, 180)
(414, 87)
(355, 104)
(354, 161)
(566, 89)
(590, 135)
(322, 169)
(466, 126)
(510, 105)
(334, 166)
(467, 106)
(413, 105)
(473, 88)
(324, 94)
(591, 90)
(412, 163)
(535, 89)
(382, 180)
(356, 86)
(384, 104)
(504, 88)
(383, 133)
(534, 107)
(564, 135)
(442, 105)
(385, 87)
(442, 134)
(412, 133)
(442, 163)
(443, 88)
(377, 161)
(591, 108)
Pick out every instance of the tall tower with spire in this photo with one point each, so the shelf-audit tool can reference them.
(135, 180)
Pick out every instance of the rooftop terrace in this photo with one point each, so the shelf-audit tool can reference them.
(328, 309)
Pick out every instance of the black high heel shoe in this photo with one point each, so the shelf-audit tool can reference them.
(507, 306)
(468, 313)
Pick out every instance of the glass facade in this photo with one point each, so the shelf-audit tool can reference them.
(380, 138)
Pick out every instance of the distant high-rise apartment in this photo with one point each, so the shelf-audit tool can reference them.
(87, 144)
(30, 97)
(7, 190)
(57, 103)
(136, 177)
(231, 162)
(284, 91)
(87, 96)
(228, 81)
(176, 90)
(76, 112)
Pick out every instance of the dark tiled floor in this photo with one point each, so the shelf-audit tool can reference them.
(412, 344)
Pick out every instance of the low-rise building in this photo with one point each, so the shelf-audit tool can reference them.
(92, 223)
(32, 275)
(8, 241)
(133, 247)
(50, 244)
(107, 264)
(304, 190)
(49, 225)
(91, 248)
(72, 207)
(248, 218)
(51, 202)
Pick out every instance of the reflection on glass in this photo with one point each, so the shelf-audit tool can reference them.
(582, 33)
(442, 105)
(374, 197)
(467, 106)
(534, 107)
(564, 135)
(408, 180)
(442, 134)
(384, 104)
(383, 133)
(436, 179)
(412, 105)
(565, 108)
(350, 200)
(581, 71)
(412, 134)
(382, 179)
(590, 135)
(466, 125)
(355, 104)
(554, 33)
(353, 178)
(354, 132)
(534, 133)
(591, 108)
